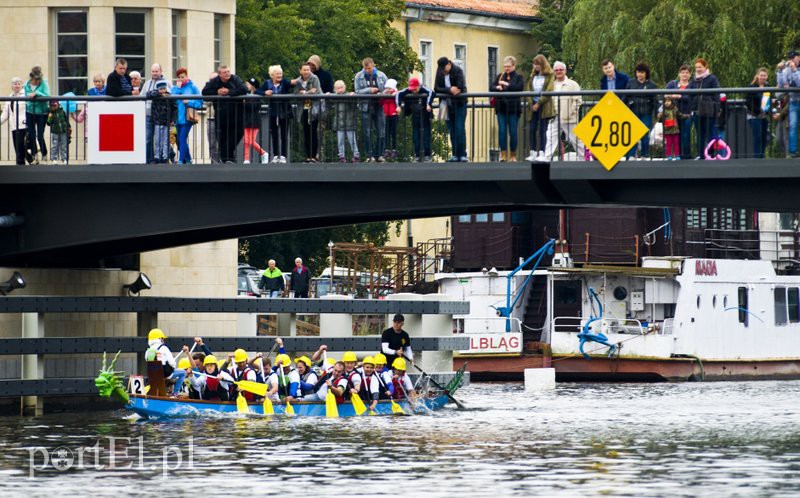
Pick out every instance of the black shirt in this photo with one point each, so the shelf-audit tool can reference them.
(396, 341)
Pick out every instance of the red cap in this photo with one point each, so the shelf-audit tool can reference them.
(413, 83)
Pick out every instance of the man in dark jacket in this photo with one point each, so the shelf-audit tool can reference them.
(612, 79)
(228, 111)
(300, 279)
(118, 83)
(450, 80)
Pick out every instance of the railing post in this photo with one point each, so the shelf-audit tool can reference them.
(32, 364)
(586, 249)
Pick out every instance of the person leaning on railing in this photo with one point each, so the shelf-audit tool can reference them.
(450, 81)
(790, 77)
(705, 107)
(14, 113)
(36, 112)
(643, 106)
(568, 112)
(228, 114)
(507, 108)
(278, 112)
(542, 108)
(758, 108)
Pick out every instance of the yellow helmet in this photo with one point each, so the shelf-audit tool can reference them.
(379, 359)
(399, 364)
(184, 363)
(303, 359)
(283, 360)
(331, 361)
(210, 360)
(156, 334)
(239, 356)
(349, 356)
(369, 360)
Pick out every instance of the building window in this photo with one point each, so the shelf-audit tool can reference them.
(465, 218)
(131, 38)
(460, 58)
(786, 221)
(498, 217)
(743, 313)
(482, 218)
(218, 29)
(178, 39)
(71, 40)
(492, 60)
(793, 304)
(780, 306)
(425, 48)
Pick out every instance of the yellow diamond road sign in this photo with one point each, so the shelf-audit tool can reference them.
(609, 130)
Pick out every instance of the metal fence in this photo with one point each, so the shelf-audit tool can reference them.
(752, 123)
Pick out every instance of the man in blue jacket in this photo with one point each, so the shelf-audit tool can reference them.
(612, 79)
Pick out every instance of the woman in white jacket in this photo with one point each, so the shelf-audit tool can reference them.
(14, 113)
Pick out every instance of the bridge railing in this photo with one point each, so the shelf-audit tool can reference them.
(301, 127)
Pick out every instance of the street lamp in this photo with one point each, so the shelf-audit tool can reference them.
(330, 253)
(15, 282)
(142, 283)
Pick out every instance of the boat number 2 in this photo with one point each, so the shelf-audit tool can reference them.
(136, 384)
(618, 133)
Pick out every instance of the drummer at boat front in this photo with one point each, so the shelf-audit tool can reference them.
(395, 342)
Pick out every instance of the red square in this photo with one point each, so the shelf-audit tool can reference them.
(116, 132)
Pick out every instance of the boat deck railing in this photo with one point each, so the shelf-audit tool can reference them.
(486, 325)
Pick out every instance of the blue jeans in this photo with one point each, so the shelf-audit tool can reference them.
(148, 134)
(507, 124)
(373, 116)
(275, 293)
(183, 143)
(760, 129)
(538, 131)
(456, 120)
(179, 376)
(794, 116)
(645, 141)
(686, 137)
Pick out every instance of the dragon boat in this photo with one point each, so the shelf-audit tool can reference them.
(154, 403)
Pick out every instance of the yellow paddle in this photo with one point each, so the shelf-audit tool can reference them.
(331, 410)
(241, 404)
(267, 405)
(396, 409)
(289, 409)
(358, 404)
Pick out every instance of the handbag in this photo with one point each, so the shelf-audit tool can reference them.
(192, 116)
(493, 101)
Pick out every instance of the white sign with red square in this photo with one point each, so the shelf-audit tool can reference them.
(116, 132)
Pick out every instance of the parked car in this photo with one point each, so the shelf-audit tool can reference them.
(249, 276)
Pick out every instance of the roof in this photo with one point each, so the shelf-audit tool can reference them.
(503, 8)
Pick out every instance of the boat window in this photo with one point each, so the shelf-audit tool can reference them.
(724, 302)
(780, 306)
(743, 313)
(482, 218)
(698, 301)
(714, 301)
(498, 217)
(620, 293)
(793, 305)
(465, 218)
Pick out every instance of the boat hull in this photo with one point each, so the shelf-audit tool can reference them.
(164, 407)
(602, 369)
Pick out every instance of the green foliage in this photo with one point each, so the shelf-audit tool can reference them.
(311, 245)
(735, 36)
(286, 32)
(554, 14)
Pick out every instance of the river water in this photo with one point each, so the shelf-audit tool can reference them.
(692, 439)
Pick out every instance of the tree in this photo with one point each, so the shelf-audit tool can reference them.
(286, 32)
(735, 36)
(311, 245)
(555, 14)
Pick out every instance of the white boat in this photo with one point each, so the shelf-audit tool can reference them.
(673, 318)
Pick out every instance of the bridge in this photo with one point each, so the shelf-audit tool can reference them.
(81, 214)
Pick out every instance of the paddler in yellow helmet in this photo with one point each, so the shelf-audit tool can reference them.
(401, 386)
(158, 351)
